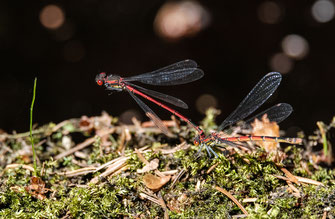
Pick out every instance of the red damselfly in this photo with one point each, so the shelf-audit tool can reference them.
(178, 73)
(256, 97)
(186, 71)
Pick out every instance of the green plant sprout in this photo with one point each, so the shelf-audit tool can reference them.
(31, 127)
(323, 129)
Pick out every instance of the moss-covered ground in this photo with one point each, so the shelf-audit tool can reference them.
(74, 184)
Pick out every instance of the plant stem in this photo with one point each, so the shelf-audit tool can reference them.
(31, 128)
(324, 137)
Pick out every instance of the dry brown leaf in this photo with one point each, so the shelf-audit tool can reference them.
(86, 123)
(152, 165)
(155, 182)
(37, 188)
(266, 128)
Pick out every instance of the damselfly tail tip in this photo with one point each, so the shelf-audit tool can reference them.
(297, 140)
(293, 140)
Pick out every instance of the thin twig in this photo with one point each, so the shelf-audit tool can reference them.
(78, 172)
(295, 191)
(232, 198)
(249, 200)
(290, 175)
(141, 157)
(178, 177)
(16, 165)
(59, 125)
(301, 179)
(212, 167)
(82, 145)
(158, 200)
(324, 216)
(111, 169)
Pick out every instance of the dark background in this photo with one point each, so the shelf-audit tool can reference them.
(118, 37)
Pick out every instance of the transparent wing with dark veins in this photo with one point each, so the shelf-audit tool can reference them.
(276, 113)
(178, 73)
(256, 97)
(152, 116)
(230, 143)
(167, 98)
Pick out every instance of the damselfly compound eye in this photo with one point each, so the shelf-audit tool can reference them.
(100, 82)
(100, 78)
(196, 142)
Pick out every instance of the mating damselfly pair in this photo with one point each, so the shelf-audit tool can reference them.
(187, 71)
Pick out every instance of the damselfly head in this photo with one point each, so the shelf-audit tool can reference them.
(196, 140)
(100, 78)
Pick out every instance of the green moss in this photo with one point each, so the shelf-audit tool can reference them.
(208, 123)
(192, 196)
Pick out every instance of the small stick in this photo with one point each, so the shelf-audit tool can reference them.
(82, 145)
(78, 172)
(59, 125)
(249, 200)
(302, 180)
(141, 157)
(232, 198)
(212, 167)
(295, 191)
(16, 165)
(324, 216)
(290, 175)
(178, 177)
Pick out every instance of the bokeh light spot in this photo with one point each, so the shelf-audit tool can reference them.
(295, 46)
(269, 12)
(52, 17)
(281, 63)
(65, 32)
(175, 20)
(205, 101)
(323, 11)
